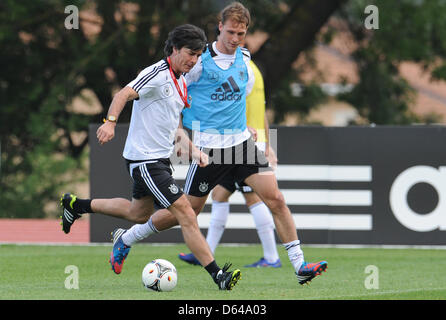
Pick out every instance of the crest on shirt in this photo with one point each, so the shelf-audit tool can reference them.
(204, 186)
(213, 76)
(167, 90)
(173, 188)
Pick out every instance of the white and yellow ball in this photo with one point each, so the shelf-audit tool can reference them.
(159, 275)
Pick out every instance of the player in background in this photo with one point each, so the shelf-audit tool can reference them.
(159, 94)
(218, 84)
(256, 119)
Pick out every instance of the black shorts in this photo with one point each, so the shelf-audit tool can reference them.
(239, 162)
(229, 183)
(154, 178)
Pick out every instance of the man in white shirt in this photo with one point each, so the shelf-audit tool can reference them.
(160, 94)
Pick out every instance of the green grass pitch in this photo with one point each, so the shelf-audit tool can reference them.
(39, 272)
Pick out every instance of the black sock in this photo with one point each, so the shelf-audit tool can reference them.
(82, 206)
(213, 269)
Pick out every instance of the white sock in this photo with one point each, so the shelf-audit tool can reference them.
(295, 253)
(219, 216)
(138, 232)
(265, 229)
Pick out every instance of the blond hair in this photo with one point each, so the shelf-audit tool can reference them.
(236, 12)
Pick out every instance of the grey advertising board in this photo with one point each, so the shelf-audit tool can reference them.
(344, 185)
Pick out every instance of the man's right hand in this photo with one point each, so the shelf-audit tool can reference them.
(201, 157)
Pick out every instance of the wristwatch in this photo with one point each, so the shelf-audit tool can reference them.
(111, 119)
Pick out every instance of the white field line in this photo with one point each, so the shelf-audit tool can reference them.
(322, 246)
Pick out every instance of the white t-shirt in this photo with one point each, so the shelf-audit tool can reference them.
(224, 61)
(155, 115)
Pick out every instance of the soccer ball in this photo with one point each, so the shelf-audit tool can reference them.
(159, 275)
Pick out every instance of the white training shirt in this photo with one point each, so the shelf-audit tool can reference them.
(155, 115)
(224, 61)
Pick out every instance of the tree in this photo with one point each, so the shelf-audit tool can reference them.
(409, 30)
(291, 35)
(32, 95)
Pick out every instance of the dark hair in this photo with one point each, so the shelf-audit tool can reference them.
(186, 35)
